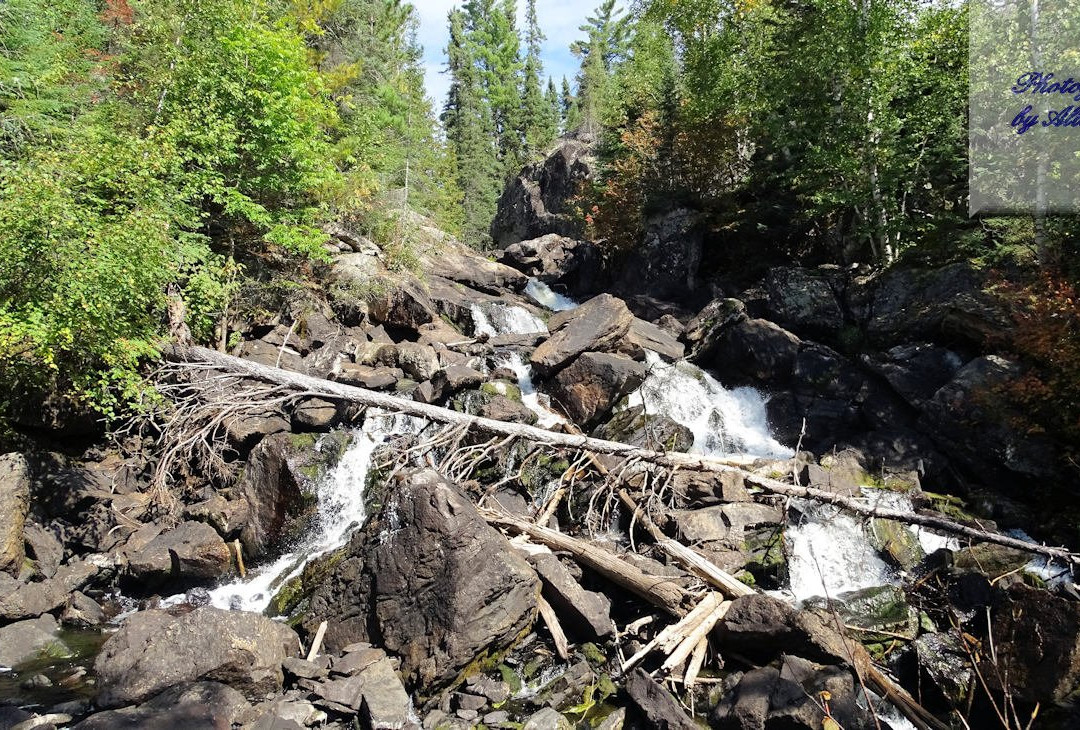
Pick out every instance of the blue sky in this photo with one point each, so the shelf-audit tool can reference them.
(559, 20)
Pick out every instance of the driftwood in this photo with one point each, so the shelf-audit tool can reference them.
(657, 590)
(203, 358)
(694, 561)
(551, 619)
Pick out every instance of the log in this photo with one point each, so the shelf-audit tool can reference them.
(551, 620)
(196, 357)
(657, 590)
(694, 561)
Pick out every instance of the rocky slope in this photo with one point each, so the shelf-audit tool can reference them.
(368, 536)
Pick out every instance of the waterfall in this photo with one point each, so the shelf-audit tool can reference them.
(340, 509)
(542, 294)
(724, 422)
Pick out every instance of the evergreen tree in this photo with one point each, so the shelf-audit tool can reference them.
(607, 34)
(568, 103)
(554, 108)
(536, 115)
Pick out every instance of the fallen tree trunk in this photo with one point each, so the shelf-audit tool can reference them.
(201, 357)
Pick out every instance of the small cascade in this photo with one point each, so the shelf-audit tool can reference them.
(341, 509)
(542, 294)
(724, 422)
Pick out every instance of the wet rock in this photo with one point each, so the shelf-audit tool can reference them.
(195, 705)
(365, 376)
(439, 588)
(896, 543)
(593, 383)
(191, 550)
(790, 697)
(598, 325)
(547, 719)
(14, 505)
(882, 612)
(841, 473)
(661, 710)
(154, 650)
(316, 414)
(566, 690)
(24, 641)
(82, 612)
(633, 426)
(585, 612)
(992, 561)
(44, 548)
(762, 627)
(1037, 636)
(707, 328)
(28, 600)
(538, 201)
(643, 337)
(946, 665)
(274, 493)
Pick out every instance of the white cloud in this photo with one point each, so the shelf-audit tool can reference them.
(559, 20)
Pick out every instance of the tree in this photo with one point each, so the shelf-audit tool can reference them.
(536, 115)
(571, 117)
(607, 33)
(553, 103)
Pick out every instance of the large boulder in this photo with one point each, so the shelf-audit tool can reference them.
(29, 600)
(431, 581)
(644, 337)
(463, 266)
(274, 492)
(670, 257)
(593, 383)
(805, 300)
(189, 551)
(645, 430)
(597, 325)
(753, 350)
(194, 705)
(154, 650)
(539, 200)
(24, 641)
(917, 371)
(14, 505)
(550, 258)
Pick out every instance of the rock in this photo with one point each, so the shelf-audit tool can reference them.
(789, 697)
(460, 264)
(449, 381)
(284, 713)
(415, 360)
(501, 408)
(154, 650)
(643, 337)
(274, 493)
(227, 516)
(195, 705)
(992, 561)
(365, 376)
(82, 612)
(896, 543)
(302, 669)
(247, 430)
(670, 255)
(1037, 636)
(754, 350)
(538, 201)
(727, 522)
(804, 300)
(404, 304)
(945, 663)
(706, 329)
(273, 354)
(762, 627)
(633, 426)
(550, 258)
(191, 550)
(547, 719)
(881, 611)
(356, 661)
(661, 710)
(438, 590)
(14, 505)
(43, 547)
(585, 612)
(375, 692)
(593, 383)
(316, 414)
(24, 641)
(841, 473)
(597, 325)
(29, 600)
(916, 371)
(709, 488)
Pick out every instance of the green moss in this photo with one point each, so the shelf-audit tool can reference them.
(501, 387)
(745, 576)
(287, 598)
(302, 441)
(511, 678)
(593, 653)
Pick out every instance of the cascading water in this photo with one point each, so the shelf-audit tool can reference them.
(724, 422)
(542, 294)
(340, 510)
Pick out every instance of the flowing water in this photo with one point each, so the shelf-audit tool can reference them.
(340, 509)
(542, 294)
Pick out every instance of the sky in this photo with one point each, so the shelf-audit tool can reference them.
(559, 19)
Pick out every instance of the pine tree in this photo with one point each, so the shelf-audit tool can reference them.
(607, 37)
(571, 117)
(554, 108)
(536, 116)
